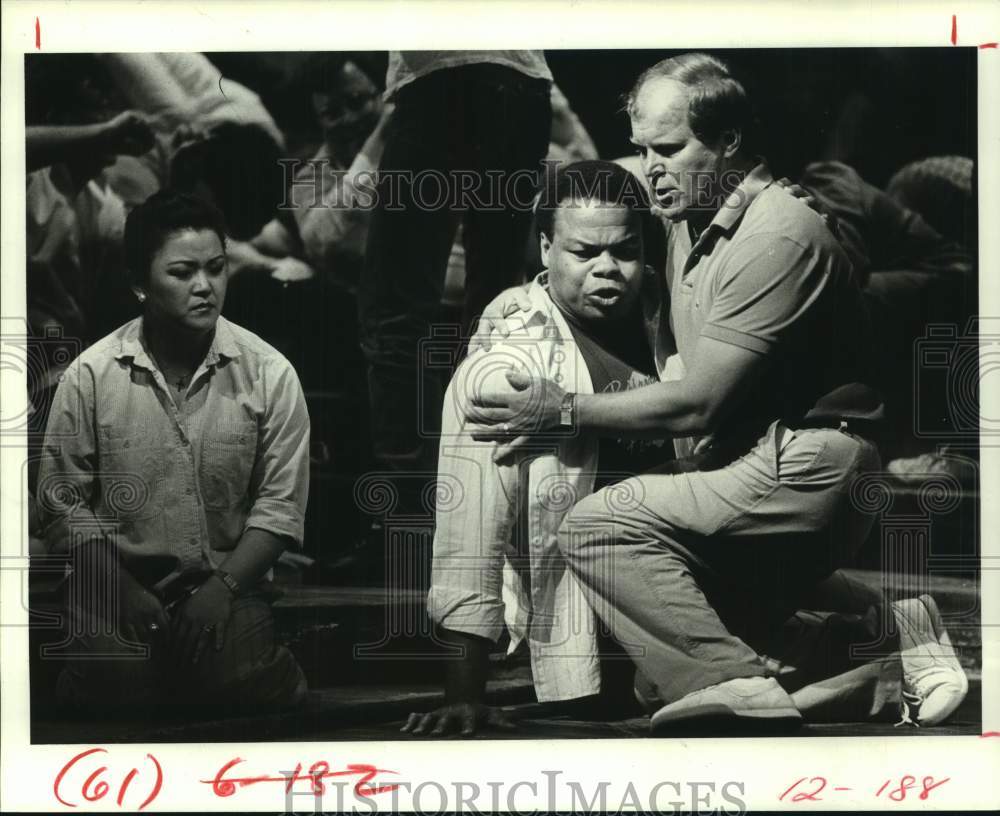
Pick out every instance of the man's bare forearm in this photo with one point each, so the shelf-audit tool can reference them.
(654, 411)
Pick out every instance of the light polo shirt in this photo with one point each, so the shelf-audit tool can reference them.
(172, 482)
(768, 276)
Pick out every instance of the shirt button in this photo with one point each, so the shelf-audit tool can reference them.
(188, 491)
(194, 541)
(126, 443)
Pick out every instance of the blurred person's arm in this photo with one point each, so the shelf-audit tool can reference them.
(128, 133)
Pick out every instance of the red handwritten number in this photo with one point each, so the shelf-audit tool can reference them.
(316, 772)
(812, 796)
(932, 784)
(95, 788)
(223, 785)
(38, 35)
(905, 784)
(908, 782)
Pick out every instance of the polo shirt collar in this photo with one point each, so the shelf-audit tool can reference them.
(737, 202)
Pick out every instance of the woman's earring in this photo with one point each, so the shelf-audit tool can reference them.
(141, 296)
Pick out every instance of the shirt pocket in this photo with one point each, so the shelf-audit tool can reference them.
(132, 473)
(228, 453)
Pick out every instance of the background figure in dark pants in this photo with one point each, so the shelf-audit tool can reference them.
(484, 121)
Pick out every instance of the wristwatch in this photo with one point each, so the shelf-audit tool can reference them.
(231, 583)
(567, 410)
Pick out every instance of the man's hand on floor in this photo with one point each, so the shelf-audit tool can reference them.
(464, 718)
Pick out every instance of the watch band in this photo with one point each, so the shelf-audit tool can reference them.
(567, 410)
(231, 583)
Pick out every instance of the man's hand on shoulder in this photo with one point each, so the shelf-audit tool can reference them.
(806, 197)
(465, 719)
(533, 406)
(493, 325)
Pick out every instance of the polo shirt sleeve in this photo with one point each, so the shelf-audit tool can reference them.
(279, 485)
(765, 290)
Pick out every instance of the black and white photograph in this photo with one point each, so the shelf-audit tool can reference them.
(445, 402)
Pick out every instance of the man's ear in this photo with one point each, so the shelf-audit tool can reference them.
(544, 245)
(732, 140)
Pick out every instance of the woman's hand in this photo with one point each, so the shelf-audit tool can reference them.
(200, 621)
(494, 318)
(463, 718)
(142, 618)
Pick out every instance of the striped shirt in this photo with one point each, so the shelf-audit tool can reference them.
(174, 480)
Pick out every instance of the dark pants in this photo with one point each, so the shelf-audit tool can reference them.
(471, 128)
(250, 671)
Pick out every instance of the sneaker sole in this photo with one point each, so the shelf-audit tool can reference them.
(714, 716)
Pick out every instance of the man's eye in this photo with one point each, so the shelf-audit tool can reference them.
(627, 253)
(640, 151)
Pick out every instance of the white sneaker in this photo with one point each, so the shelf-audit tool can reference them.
(934, 683)
(753, 701)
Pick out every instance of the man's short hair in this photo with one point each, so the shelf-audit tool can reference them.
(148, 226)
(591, 180)
(717, 100)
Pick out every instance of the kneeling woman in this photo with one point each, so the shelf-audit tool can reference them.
(175, 472)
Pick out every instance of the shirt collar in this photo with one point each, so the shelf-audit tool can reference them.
(133, 345)
(737, 202)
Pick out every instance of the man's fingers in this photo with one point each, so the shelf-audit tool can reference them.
(490, 416)
(494, 400)
(520, 302)
(487, 433)
(411, 722)
(425, 722)
(498, 719)
(469, 724)
(505, 451)
(443, 721)
(519, 379)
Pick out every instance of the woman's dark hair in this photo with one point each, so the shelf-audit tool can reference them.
(591, 180)
(148, 226)
(717, 100)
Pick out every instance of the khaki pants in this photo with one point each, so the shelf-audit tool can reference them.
(701, 575)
